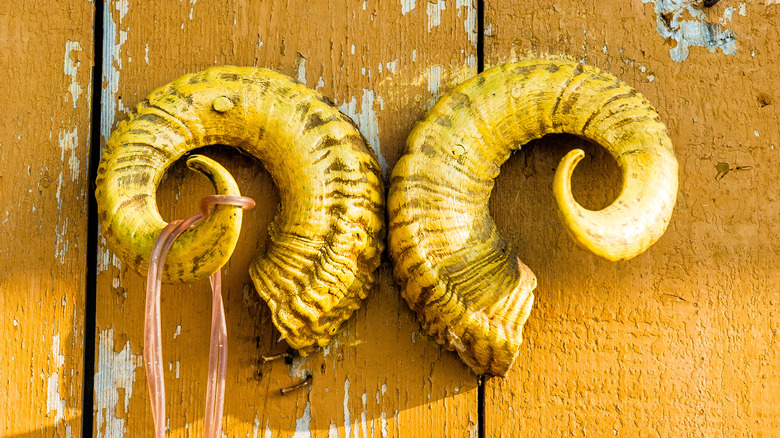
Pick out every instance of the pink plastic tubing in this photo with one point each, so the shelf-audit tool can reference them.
(215, 386)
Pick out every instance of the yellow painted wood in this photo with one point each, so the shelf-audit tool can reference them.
(383, 64)
(46, 61)
(682, 340)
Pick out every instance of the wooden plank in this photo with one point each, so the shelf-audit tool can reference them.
(682, 340)
(383, 63)
(46, 58)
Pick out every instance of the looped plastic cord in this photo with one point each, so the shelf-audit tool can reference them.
(215, 386)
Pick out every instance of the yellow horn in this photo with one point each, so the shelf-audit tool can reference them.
(469, 290)
(326, 240)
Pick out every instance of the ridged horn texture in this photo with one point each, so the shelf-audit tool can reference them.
(327, 237)
(469, 290)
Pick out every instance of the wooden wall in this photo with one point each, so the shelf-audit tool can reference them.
(46, 59)
(684, 340)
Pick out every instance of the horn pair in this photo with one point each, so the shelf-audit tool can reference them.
(469, 290)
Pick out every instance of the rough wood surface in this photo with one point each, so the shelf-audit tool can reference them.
(383, 63)
(45, 60)
(683, 340)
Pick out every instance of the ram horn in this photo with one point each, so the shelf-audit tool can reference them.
(469, 290)
(325, 241)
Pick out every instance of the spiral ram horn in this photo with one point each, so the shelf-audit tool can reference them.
(326, 239)
(470, 291)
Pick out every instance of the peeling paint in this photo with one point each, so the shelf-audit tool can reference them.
(367, 121)
(112, 64)
(192, 7)
(54, 400)
(392, 66)
(364, 414)
(347, 418)
(115, 370)
(333, 431)
(300, 66)
(302, 428)
(471, 61)
(685, 23)
(434, 81)
(297, 370)
(268, 432)
(68, 142)
(255, 426)
(434, 13)
(106, 258)
(471, 19)
(72, 69)
(61, 244)
(407, 6)
(727, 14)
(146, 54)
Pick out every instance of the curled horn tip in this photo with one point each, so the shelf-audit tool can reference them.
(222, 179)
(214, 239)
(632, 223)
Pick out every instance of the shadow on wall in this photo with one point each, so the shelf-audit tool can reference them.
(60, 411)
(42, 350)
(46, 431)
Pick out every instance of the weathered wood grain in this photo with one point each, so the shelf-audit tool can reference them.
(383, 63)
(45, 60)
(683, 340)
